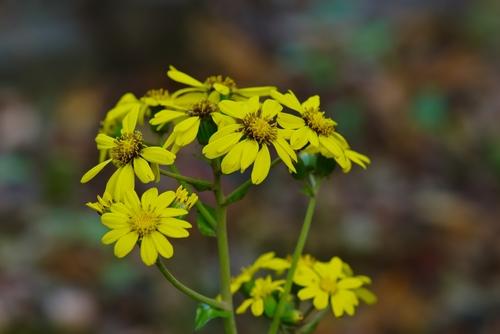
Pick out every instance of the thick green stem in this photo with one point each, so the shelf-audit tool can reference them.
(197, 183)
(295, 260)
(189, 292)
(223, 246)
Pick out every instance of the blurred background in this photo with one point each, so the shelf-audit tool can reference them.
(413, 84)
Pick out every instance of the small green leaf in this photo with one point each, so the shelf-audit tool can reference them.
(270, 306)
(205, 313)
(204, 226)
(207, 129)
(238, 194)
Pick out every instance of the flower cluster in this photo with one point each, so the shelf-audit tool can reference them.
(326, 284)
(240, 128)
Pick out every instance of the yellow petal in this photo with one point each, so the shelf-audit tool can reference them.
(186, 124)
(143, 170)
(284, 156)
(233, 109)
(173, 231)
(312, 137)
(149, 197)
(162, 244)
(270, 108)
(320, 301)
(224, 131)
(299, 138)
(166, 116)
(249, 154)
(105, 142)
(130, 121)
(94, 171)
(221, 119)
(331, 146)
(125, 180)
(131, 200)
(289, 121)
(244, 306)
(125, 244)
(252, 91)
(232, 161)
(261, 165)
(158, 155)
(149, 254)
(258, 307)
(164, 199)
(307, 292)
(115, 220)
(113, 235)
(173, 212)
(311, 103)
(222, 145)
(176, 222)
(350, 283)
(358, 158)
(182, 77)
(187, 136)
(289, 99)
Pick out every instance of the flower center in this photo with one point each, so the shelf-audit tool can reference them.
(144, 223)
(128, 147)
(203, 108)
(226, 81)
(317, 121)
(327, 284)
(262, 288)
(259, 129)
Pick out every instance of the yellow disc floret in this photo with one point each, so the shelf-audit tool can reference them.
(317, 121)
(259, 129)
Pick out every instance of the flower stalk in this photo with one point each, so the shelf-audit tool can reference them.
(299, 248)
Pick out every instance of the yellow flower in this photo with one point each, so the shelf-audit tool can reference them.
(314, 128)
(327, 283)
(188, 120)
(223, 86)
(129, 154)
(146, 221)
(157, 97)
(245, 141)
(263, 288)
(265, 261)
(183, 199)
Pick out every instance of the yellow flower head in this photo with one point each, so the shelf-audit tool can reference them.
(265, 261)
(129, 154)
(328, 283)
(157, 97)
(223, 86)
(147, 221)
(245, 141)
(183, 199)
(314, 128)
(187, 120)
(263, 288)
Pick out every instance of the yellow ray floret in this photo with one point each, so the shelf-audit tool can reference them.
(147, 221)
(246, 140)
(130, 155)
(316, 131)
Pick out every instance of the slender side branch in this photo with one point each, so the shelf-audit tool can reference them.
(295, 258)
(201, 184)
(311, 326)
(238, 193)
(189, 292)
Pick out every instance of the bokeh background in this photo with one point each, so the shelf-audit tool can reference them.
(413, 84)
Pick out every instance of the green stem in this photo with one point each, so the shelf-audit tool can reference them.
(306, 225)
(197, 183)
(223, 246)
(189, 292)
